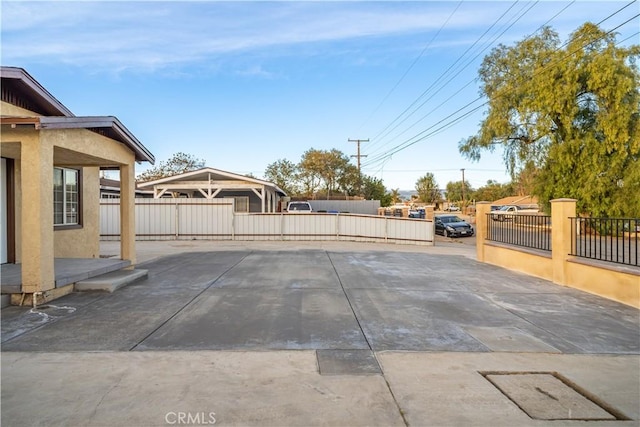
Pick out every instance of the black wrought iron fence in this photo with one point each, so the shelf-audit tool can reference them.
(606, 239)
(531, 231)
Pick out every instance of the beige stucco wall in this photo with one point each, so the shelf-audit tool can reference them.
(620, 284)
(83, 242)
(98, 149)
(609, 283)
(7, 109)
(524, 262)
(35, 153)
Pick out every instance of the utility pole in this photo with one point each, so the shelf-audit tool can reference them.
(358, 156)
(462, 210)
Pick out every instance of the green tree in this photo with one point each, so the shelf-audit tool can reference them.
(427, 189)
(374, 189)
(525, 180)
(454, 191)
(349, 181)
(325, 166)
(395, 195)
(493, 190)
(177, 164)
(573, 111)
(284, 174)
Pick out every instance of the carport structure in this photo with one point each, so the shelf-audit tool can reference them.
(250, 194)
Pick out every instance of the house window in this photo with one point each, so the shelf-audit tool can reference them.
(66, 196)
(110, 195)
(241, 204)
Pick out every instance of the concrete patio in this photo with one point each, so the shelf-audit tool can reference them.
(317, 333)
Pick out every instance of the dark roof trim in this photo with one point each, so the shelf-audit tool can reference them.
(40, 94)
(109, 126)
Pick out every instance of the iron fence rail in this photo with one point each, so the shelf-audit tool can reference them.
(606, 239)
(530, 231)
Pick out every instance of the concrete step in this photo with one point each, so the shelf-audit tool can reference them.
(109, 282)
(5, 301)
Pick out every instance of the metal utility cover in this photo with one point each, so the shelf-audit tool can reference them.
(347, 362)
(543, 396)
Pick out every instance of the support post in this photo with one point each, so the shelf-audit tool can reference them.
(38, 272)
(127, 213)
(482, 209)
(561, 234)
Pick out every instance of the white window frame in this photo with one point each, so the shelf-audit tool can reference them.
(105, 195)
(69, 216)
(238, 202)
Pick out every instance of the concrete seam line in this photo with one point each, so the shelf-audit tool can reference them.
(206, 288)
(393, 396)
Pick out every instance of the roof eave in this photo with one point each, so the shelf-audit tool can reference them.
(37, 89)
(125, 136)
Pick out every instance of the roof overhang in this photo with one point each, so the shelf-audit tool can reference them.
(107, 126)
(23, 85)
(21, 89)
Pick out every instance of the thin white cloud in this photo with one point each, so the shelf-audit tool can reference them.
(257, 71)
(155, 35)
(148, 33)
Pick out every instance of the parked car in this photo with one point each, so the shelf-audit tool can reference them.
(299, 207)
(416, 213)
(453, 208)
(508, 212)
(452, 226)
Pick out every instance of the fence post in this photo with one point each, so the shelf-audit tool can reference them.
(562, 210)
(177, 220)
(428, 212)
(482, 209)
(386, 229)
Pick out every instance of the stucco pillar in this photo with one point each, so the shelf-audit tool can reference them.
(429, 213)
(482, 209)
(127, 213)
(561, 234)
(37, 245)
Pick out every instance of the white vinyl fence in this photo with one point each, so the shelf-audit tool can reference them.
(201, 219)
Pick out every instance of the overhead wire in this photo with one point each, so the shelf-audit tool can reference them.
(374, 139)
(415, 61)
(452, 77)
(472, 81)
(409, 142)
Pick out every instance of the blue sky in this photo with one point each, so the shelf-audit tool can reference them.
(243, 84)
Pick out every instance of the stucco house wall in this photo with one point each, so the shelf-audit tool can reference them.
(83, 242)
(38, 135)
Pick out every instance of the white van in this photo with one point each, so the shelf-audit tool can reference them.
(299, 207)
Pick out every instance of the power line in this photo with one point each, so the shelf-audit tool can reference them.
(407, 143)
(375, 138)
(415, 61)
(471, 81)
(451, 78)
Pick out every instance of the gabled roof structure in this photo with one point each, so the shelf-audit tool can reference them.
(517, 200)
(210, 182)
(19, 88)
